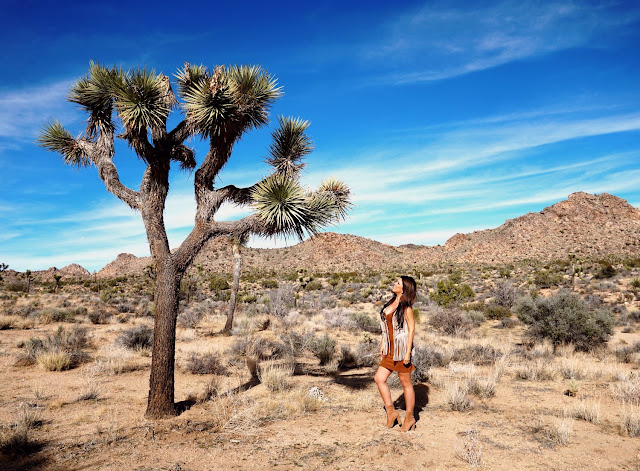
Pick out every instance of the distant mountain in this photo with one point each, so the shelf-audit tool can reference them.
(583, 224)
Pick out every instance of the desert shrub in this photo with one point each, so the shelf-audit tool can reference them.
(546, 279)
(281, 301)
(217, 283)
(606, 270)
(564, 318)
(478, 354)
(56, 352)
(457, 395)
(366, 322)
(57, 315)
(347, 359)
(16, 286)
(15, 437)
(449, 292)
(367, 353)
(323, 347)
(190, 317)
(313, 285)
(508, 323)
(424, 358)
(494, 311)
(205, 364)
(275, 376)
(269, 284)
(450, 321)
(635, 283)
(339, 318)
(505, 294)
(99, 316)
(54, 360)
(477, 317)
(261, 348)
(136, 338)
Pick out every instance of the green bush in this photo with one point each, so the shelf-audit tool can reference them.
(217, 283)
(449, 292)
(545, 279)
(565, 318)
(635, 283)
(269, 284)
(323, 347)
(493, 311)
(606, 271)
(313, 286)
(136, 338)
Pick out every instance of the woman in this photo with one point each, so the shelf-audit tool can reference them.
(396, 349)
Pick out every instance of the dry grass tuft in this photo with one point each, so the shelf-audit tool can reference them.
(631, 420)
(469, 448)
(275, 375)
(54, 360)
(457, 395)
(537, 370)
(15, 438)
(627, 390)
(587, 410)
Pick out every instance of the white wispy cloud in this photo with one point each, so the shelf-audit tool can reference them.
(22, 111)
(488, 35)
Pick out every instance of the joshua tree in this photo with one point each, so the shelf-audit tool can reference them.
(218, 105)
(57, 278)
(236, 243)
(29, 278)
(3, 268)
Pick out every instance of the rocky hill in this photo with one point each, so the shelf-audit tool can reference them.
(584, 224)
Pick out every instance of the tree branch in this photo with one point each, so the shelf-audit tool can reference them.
(101, 154)
(203, 231)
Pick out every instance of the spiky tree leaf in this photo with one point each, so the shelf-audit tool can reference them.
(289, 146)
(282, 204)
(254, 91)
(209, 105)
(340, 194)
(56, 138)
(141, 100)
(189, 76)
(95, 93)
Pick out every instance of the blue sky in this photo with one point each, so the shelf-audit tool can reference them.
(443, 117)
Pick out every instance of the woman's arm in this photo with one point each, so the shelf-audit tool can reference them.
(411, 325)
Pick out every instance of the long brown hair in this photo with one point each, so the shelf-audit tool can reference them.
(407, 298)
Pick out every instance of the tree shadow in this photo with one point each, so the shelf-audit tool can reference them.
(24, 459)
(422, 399)
(354, 381)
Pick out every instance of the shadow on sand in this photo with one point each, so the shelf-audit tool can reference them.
(422, 399)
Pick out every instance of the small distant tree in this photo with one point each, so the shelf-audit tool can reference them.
(219, 106)
(3, 267)
(27, 276)
(236, 243)
(57, 279)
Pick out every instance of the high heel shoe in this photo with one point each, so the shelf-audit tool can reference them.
(392, 416)
(409, 423)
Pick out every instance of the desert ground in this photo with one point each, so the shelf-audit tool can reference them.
(292, 387)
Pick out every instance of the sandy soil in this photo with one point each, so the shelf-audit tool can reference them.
(344, 432)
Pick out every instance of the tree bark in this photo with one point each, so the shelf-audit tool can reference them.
(161, 381)
(235, 284)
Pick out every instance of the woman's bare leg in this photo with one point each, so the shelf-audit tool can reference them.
(409, 397)
(381, 381)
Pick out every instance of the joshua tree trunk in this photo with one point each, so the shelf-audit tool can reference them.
(235, 284)
(161, 381)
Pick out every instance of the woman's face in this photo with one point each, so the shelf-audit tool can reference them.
(397, 287)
